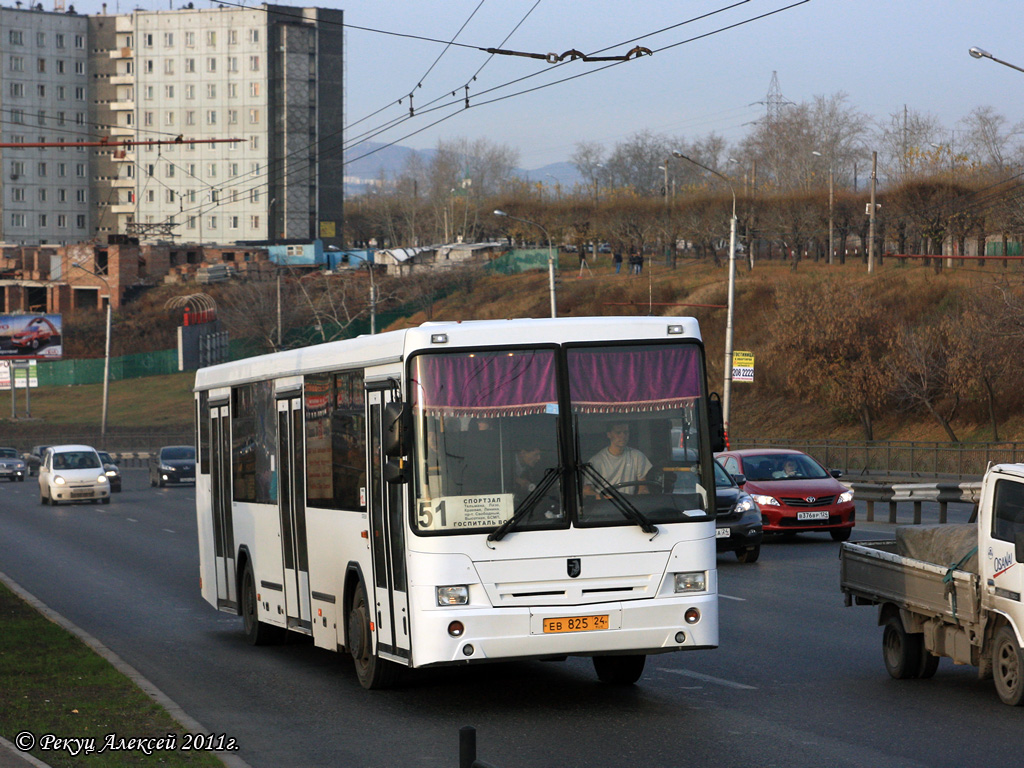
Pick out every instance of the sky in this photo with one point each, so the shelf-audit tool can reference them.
(705, 75)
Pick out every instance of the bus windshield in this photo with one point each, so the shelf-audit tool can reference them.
(493, 440)
(636, 420)
(486, 438)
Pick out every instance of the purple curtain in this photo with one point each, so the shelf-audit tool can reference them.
(485, 383)
(631, 379)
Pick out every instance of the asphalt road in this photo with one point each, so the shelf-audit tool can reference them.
(798, 680)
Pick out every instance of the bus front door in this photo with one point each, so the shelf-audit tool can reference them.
(220, 503)
(387, 534)
(291, 495)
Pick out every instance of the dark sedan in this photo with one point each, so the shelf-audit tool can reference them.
(738, 520)
(111, 470)
(173, 464)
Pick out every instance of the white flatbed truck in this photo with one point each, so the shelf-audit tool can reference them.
(951, 590)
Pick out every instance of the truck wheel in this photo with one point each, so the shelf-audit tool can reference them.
(901, 650)
(619, 670)
(374, 672)
(256, 632)
(929, 665)
(1008, 667)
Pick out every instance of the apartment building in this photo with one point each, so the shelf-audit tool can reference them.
(268, 77)
(44, 90)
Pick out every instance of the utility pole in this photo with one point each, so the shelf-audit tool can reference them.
(871, 212)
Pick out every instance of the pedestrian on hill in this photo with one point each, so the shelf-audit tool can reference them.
(617, 260)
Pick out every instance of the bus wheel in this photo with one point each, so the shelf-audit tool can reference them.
(619, 670)
(1008, 667)
(373, 671)
(256, 632)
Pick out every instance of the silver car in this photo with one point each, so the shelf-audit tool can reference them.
(12, 466)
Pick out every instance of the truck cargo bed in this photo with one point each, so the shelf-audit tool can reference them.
(873, 572)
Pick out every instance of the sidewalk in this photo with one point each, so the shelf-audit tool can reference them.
(12, 757)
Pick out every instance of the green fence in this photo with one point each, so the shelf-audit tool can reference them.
(90, 371)
(515, 261)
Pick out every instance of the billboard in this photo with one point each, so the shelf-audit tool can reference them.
(30, 337)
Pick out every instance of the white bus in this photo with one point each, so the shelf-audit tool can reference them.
(435, 496)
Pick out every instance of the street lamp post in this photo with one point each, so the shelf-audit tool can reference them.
(551, 258)
(831, 209)
(727, 382)
(979, 53)
(106, 354)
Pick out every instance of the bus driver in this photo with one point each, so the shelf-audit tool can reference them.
(618, 463)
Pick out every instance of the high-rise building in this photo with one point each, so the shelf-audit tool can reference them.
(44, 91)
(270, 78)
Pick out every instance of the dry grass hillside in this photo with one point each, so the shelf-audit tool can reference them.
(820, 334)
(897, 297)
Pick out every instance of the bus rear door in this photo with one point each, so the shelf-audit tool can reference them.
(291, 497)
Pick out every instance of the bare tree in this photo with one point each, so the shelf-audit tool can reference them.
(988, 140)
(920, 373)
(904, 142)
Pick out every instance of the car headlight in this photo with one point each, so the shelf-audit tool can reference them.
(745, 504)
(766, 501)
(691, 581)
(58, 480)
(457, 594)
(111, 473)
(101, 480)
(845, 497)
(165, 468)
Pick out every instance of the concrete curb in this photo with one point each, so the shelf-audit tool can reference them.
(178, 714)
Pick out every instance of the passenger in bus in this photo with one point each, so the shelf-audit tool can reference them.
(618, 463)
(526, 471)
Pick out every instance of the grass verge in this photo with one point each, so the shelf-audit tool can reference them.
(51, 683)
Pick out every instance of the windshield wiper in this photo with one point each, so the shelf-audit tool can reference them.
(527, 505)
(619, 501)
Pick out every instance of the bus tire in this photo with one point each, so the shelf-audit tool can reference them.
(256, 632)
(901, 650)
(619, 670)
(374, 672)
(1008, 667)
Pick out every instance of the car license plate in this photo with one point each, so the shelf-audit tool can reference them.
(721, 533)
(823, 515)
(80, 494)
(576, 623)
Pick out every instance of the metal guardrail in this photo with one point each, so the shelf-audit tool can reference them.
(917, 494)
(910, 459)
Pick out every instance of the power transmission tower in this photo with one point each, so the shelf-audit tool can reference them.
(775, 101)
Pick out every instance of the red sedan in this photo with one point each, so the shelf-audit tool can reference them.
(793, 491)
(37, 333)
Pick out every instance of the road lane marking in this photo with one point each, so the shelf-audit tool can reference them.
(730, 597)
(168, 530)
(710, 679)
(131, 520)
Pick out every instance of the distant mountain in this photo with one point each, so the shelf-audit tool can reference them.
(368, 161)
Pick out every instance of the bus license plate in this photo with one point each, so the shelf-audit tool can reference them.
(576, 623)
(823, 515)
(721, 533)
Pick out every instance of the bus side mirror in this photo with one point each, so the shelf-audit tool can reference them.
(397, 429)
(716, 423)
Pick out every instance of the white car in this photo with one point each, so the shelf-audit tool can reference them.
(72, 473)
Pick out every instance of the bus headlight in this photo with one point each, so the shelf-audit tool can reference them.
(694, 581)
(453, 595)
